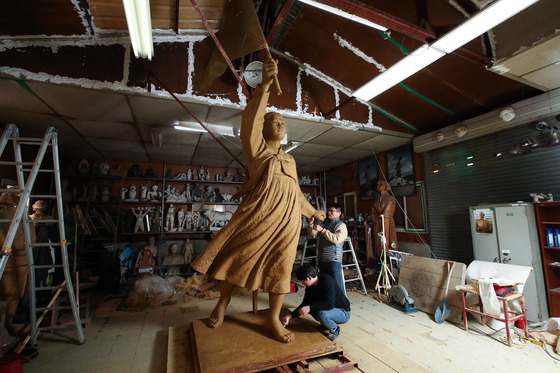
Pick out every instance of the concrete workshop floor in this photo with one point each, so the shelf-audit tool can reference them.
(379, 337)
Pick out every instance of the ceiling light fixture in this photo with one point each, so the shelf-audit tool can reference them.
(406, 67)
(253, 74)
(195, 127)
(139, 23)
(481, 22)
(291, 146)
(341, 13)
(461, 130)
(491, 16)
(507, 114)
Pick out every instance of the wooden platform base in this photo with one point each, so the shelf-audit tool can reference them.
(242, 344)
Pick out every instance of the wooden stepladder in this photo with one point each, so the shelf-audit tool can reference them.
(27, 172)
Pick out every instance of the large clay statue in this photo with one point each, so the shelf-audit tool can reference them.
(257, 248)
(385, 207)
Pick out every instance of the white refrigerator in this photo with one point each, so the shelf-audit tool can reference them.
(507, 233)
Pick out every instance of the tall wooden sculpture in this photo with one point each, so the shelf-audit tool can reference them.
(383, 211)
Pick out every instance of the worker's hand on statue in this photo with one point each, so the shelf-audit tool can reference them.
(319, 215)
(304, 310)
(270, 68)
(318, 228)
(310, 220)
(286, 319)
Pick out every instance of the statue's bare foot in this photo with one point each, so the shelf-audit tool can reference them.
(280, 333)
(217, 315)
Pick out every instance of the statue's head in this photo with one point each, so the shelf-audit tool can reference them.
(383, 186)
(274, 127)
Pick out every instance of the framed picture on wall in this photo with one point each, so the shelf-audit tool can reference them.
(334, 186)
(401, 171)
(415, 210)
(368, 178)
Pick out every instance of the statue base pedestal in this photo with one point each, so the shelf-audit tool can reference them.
(242, 344)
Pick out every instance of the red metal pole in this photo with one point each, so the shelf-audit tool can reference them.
(195, 118)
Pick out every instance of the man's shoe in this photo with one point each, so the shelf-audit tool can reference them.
(334, 335)
(321, 329)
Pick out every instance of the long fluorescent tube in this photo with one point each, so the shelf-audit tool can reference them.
(406, 67)
(195, 127)
(188, 129)
(344, 14)
(291, 146)
(481, 22)
(139, 23)
(468, 30)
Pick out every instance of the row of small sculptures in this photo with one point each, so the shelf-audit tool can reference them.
(190, 193)
(148, 219)
(200, 174)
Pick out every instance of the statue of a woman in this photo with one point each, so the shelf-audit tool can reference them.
(257, 248)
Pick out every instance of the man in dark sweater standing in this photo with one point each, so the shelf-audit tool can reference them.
(323, 300)
(330, 235)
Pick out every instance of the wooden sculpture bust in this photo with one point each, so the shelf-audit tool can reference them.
(385, 207)
(257, 248)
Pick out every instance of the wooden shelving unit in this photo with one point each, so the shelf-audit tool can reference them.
(548, 217)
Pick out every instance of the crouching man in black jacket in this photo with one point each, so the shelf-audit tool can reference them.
(323, 299)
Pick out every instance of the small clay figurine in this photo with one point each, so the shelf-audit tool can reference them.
(83, 168)
(187, 251)
(173, 259)
(134, 171)
(153, 194)
(105, 195)
(170, 219)
(227, 175)
(39, 208)
(197, 193)
(180, 220)
(143, 192)
(123, 193)
(132, 193)
(155, 217)
(217, 196)
(104, 168)
(140, 213)
(151, 245)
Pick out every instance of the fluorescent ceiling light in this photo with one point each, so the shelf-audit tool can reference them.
(483, 21)
(196, 127)
(139, 23)
(406, 67)
(188, 129)
(344, 14)
(291, 146)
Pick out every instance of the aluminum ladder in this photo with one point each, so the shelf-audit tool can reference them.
(24, 189)
(310, 243)
(348, 240)
(354, 264)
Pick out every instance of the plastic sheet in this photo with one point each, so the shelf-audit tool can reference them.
(156, 288)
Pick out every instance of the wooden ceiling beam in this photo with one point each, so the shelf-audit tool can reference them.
(424, 34)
